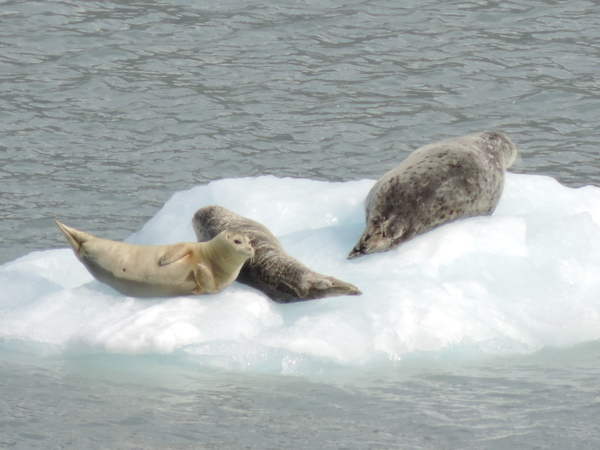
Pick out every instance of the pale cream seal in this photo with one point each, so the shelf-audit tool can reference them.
(186, 268)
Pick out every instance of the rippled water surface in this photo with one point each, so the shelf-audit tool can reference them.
(109, 108)
(95, 402)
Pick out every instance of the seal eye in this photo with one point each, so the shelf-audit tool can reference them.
(237, 241)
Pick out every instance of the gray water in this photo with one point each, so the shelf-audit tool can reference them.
(109, 108)
(547, 400)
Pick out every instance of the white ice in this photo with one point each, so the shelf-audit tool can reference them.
(525, 278)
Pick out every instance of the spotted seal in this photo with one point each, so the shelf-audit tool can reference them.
(438, 183)
(162, 270)
(273, 271)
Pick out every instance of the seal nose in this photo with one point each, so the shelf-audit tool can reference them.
(355, 253)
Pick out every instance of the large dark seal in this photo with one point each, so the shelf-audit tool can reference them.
(438, 183)
(272, 270)
(162, 270)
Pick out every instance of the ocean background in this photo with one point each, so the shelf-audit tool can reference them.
(123, 118)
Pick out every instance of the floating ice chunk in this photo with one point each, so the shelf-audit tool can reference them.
(524, 278)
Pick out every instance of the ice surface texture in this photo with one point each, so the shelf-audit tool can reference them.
(524, 278)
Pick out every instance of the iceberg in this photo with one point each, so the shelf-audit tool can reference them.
(524, 278)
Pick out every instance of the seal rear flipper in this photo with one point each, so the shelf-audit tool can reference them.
(204, 279)
(75, 238)
(173, 254)
(245, 277)
(321, 286)
(339, 287)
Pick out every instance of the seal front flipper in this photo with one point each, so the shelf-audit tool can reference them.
(204, 279)
(173, 254)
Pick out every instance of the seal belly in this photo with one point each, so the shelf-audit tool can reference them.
(136, 268)
(140, 288)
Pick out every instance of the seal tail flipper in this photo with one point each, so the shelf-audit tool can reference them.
(342, 288)
(321, 286)
(75, 238)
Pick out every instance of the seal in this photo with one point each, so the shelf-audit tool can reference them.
(186, 268)
(272, 271)
(438, 183)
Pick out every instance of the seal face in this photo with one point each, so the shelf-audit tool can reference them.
(272, 270)
(186, 268)
(438, 183)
